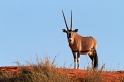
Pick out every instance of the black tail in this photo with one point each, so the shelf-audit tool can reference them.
(95, 59)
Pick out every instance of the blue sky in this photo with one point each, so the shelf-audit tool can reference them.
(31, 27)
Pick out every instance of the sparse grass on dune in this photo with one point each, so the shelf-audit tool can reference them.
(41, 71)
(46, 71)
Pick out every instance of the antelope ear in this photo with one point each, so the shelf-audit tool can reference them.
(64, 30)
(76, 30)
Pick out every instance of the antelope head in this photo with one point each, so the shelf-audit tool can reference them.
(69, 32)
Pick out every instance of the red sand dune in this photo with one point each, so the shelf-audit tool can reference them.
(109, 76)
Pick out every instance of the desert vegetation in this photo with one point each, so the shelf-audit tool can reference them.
(45, 70)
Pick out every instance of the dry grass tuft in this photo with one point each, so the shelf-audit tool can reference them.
(42, 71)
(46, 71)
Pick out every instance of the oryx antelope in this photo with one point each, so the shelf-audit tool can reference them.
(81, 45)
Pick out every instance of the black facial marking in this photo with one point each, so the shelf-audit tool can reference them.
(69, 34)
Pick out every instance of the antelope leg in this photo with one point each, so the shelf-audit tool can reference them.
(74, 55)
(78, 60)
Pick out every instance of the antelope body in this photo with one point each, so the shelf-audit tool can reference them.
(81, 45)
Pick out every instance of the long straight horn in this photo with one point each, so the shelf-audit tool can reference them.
(71, 21)
(65, 20)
